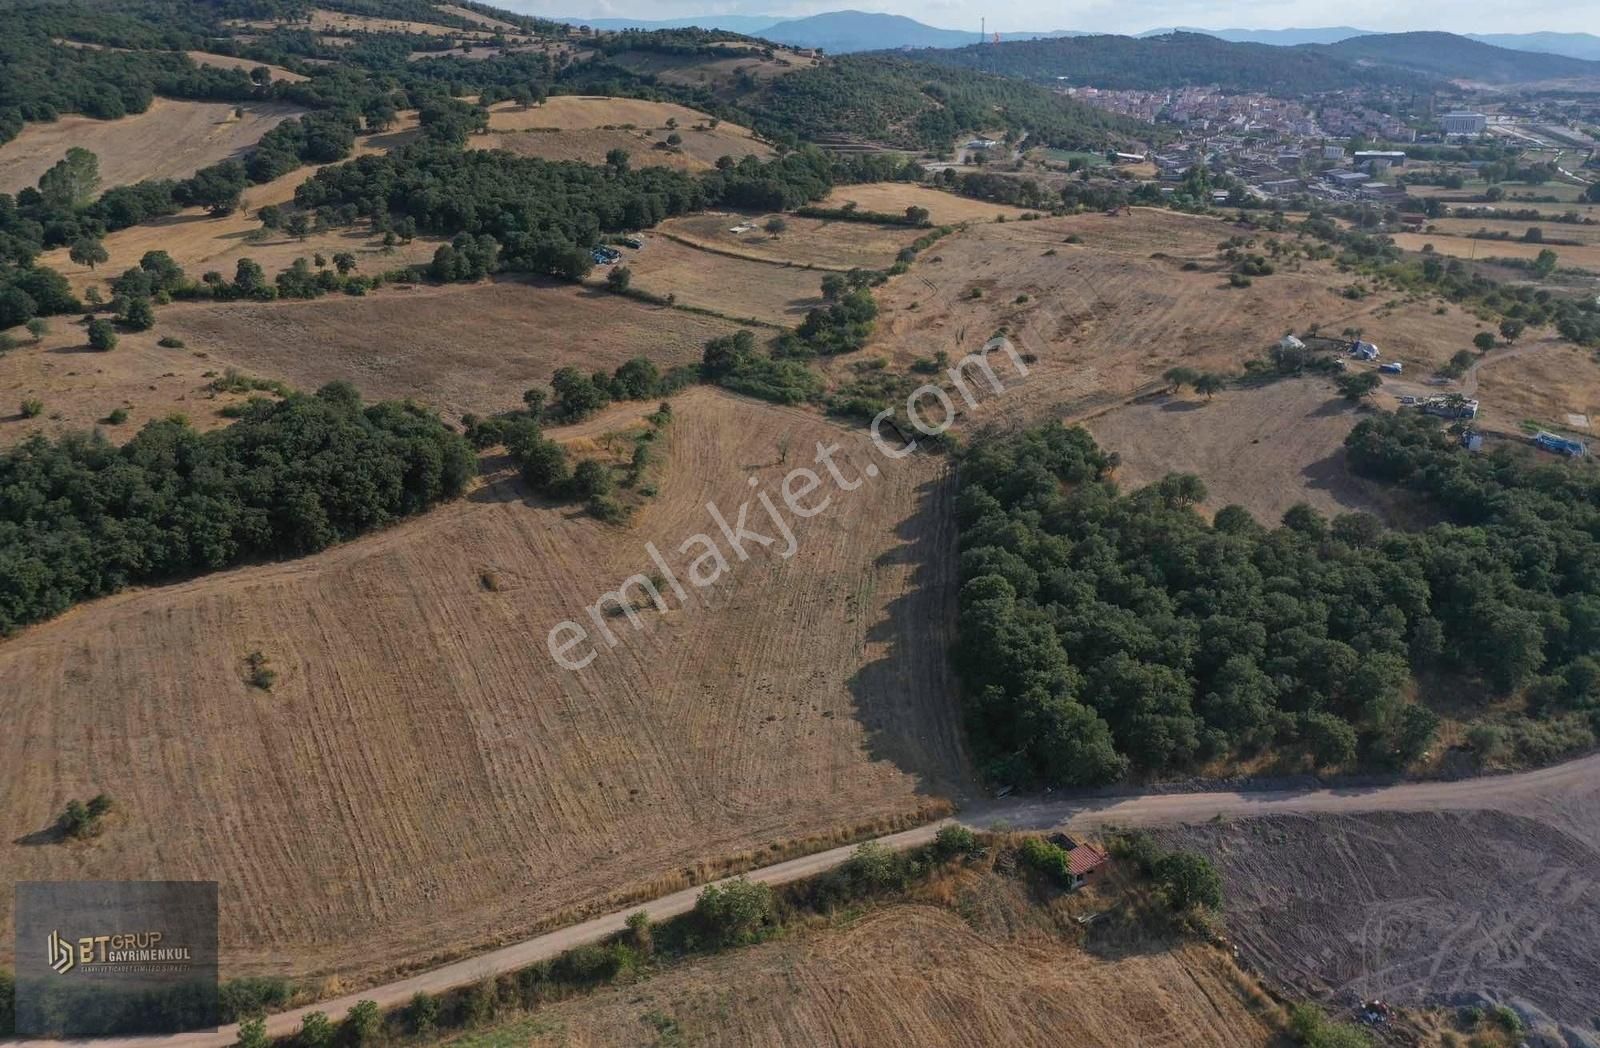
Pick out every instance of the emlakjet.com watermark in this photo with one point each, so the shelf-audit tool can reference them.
(706, 556)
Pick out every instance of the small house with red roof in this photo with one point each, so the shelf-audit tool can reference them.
(1083, 861)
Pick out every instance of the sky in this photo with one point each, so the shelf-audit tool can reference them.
(1119, 16)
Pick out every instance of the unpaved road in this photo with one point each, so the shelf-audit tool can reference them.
(1563, 796)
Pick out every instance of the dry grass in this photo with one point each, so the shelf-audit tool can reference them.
(80, 387)
(572, 127)
(422, 779)
(916, 974)
(823, 244)
(1461, 227)
(171, 139)
(1550, 381)
(895, 197)
(458, 348)
(736, 287)
(1107, 316)
(716, 74)
(323, 21)
(1586, 256)
(199, 242)
(1264, 449)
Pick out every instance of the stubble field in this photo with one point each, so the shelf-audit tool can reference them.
(736, 287)
(171, 139)
(500, 338)
(422, 779)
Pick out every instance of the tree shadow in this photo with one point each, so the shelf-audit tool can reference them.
(912, 683)
(52, 834)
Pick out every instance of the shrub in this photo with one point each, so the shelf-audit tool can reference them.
(316, 1031)
(31, 407)
(1047, 858)
(1310, 1027)
(251, 996)
(587, 965)
(422, 1014)
(169, 342)
(257, 671)
(953, 840)
(1189, 880)
(641, 937)
(362, 1024)
(253, 1034)
(735, 912)
(117, 417)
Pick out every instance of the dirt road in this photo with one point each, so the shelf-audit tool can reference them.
(1549, 791)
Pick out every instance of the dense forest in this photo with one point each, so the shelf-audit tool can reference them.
(81, 517)
(1173, 60)
(1103, 632)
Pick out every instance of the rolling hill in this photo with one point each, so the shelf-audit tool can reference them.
(1457, 57)
(1173, 60)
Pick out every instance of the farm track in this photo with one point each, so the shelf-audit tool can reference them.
(1524, 794)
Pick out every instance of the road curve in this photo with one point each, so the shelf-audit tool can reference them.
(1517, 793)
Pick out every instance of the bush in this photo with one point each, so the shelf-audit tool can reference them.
(952, 841)
(316, 1031)
(251, 996)
(1048, 859)
(362, 1024)
(736, 911)
(253, 1034)
(1189, 880)
(422, 1014)
(117, 417)
(31, 407)
(587, 965)
(169, 342)
(1310, 1027)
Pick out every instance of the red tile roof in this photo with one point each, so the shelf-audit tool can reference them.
(1085, 858)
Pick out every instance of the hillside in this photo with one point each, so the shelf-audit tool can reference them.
(1457, 57)
(1177, 59)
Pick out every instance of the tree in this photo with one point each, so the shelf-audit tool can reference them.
(1358, 385)
(1545, 264)
(775, 226)
(1179, 377)
(1209, 384)
(72, 181)
(297, 225)
(137, 315)
(1511, 329)
(619, 278)
(674, 140)
(344, 262)
(87, 251)
(617, 159)
(1484, 340)
(102, 336)
(38, 327)
(734, 912)
(1189, 880)
(917, 216)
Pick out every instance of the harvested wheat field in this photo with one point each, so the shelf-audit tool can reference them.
(718, 74)
(735, 287)
(169, 140)
(1351, 908)
(819, 243)
(323, 21)
(1586, 256)
(585, 128)
(1265, 448)
(198, 242)
(895, 197)
(1104, 319)
(79, 387)
(457, 348)
(911, 974)
(1516, 228)
(423, 779)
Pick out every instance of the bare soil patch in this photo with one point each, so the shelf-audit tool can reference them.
(1543, 385)
(423, 780)
(1382, 905)
(736, 287)
(457, 348)
(171, 139)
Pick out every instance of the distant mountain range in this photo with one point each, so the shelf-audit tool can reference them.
(840, 32)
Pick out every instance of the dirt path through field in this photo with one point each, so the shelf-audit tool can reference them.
(1564, 793)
